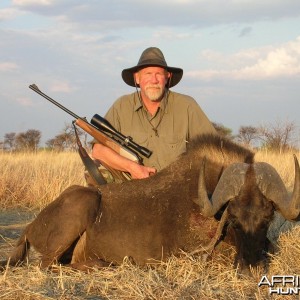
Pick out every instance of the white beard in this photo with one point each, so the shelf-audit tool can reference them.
(154, 92)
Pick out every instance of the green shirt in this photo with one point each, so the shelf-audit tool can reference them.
(178, 119)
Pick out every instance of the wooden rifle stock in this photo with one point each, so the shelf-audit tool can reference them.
(107, 141)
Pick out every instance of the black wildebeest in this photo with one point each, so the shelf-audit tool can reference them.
(150, 219)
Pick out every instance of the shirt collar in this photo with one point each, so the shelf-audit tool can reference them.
(137, 103)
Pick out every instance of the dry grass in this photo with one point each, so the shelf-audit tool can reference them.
(283, 163)
(32, 181)
(179, 278)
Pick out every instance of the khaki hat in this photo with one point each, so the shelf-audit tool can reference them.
(152, 57)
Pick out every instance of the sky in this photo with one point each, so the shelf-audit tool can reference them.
(241, 58)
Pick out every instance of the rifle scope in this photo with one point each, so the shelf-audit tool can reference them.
(104, 125)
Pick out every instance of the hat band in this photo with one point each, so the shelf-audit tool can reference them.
(152, 62)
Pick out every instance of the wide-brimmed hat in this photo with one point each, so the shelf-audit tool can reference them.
(152, 57)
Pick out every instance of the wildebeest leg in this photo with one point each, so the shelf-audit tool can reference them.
(62, 255)
(56, 241)
(47, 261)
(80, 261)
(62, 241)
(89, 265)
(56, 230)
(78, 254)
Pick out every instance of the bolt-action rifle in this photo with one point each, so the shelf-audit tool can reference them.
(104, 133)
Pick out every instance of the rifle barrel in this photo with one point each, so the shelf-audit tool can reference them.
(35, 88)
(100, 124)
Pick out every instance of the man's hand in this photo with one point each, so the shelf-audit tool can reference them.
(138, 171)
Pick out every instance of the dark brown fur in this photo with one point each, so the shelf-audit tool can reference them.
(146, 220)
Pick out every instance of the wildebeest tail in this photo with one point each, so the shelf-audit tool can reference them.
(18, 254)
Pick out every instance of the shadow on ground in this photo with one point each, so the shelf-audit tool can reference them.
(12, 222)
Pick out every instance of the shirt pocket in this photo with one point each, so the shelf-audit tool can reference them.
(140, 138)
(173, 147)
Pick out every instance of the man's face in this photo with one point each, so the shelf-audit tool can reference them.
(152, 81)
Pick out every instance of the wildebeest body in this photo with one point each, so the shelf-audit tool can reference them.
(123, 232)
(145, 227)
(152, 218)
(146, 220)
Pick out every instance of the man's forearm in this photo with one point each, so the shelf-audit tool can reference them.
(111, 158)
(114, 160)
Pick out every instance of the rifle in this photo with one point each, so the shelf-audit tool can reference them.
(105, 134)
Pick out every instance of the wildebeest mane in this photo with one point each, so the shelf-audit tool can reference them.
(218, 151)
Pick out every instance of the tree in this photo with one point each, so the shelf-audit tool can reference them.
(10, 141)
(279, 136)
(66, 140)
(53, 144)
(28, 141)
(222, 130)
(247, 134)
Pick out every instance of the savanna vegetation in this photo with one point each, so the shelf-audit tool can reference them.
(29, 181)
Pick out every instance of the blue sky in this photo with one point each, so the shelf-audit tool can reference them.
(241, 58)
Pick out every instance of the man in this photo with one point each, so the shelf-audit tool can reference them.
(155, 117)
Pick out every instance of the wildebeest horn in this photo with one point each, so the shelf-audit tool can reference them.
(227, 188)
(273, 188)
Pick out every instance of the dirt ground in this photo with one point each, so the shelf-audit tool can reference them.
(12, 222)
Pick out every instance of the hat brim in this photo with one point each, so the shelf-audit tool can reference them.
(127, 74)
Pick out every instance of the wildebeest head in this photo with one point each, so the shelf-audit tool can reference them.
(253, 192)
